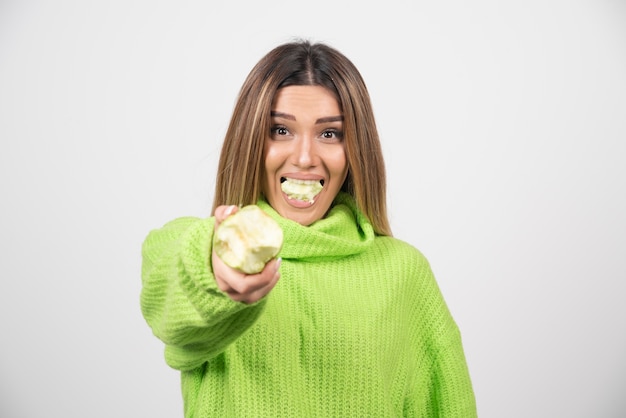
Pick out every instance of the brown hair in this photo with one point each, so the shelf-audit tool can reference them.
(240, 167)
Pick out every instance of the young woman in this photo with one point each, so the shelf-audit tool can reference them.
(348, 321)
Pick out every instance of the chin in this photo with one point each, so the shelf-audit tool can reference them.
(304, 219)
(306, 216)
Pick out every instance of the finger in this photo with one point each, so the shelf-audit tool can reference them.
(230, 280)
(264, 291)
(223, 273)
(223, 212)
(259, 293)
(250, 294)
(248, 284)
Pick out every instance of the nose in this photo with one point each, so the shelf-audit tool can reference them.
(304, 152)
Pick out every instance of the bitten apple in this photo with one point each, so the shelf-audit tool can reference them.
(248, 239)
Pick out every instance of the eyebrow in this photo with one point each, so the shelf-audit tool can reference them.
(326, 119)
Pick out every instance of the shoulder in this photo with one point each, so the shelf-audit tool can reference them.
(173, 231)
(418, 290)
(400, 253)
(407, 268)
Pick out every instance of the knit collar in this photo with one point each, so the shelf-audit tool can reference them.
(343, 232)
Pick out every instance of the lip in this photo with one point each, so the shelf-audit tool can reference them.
(302, 176)
(299, 204)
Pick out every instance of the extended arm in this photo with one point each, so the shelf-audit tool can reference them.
(180, 298)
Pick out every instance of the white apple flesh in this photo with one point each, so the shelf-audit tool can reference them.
(248, 239)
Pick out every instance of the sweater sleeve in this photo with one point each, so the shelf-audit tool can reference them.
(453, 395)
(448, 385)
(180, 299)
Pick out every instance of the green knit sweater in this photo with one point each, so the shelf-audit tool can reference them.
(355, 327)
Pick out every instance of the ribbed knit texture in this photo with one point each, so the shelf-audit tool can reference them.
(355, 327)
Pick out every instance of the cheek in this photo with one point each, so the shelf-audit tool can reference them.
(270, 159)
(340, 163)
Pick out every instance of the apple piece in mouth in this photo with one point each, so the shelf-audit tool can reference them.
(303, 190)
(248, 239)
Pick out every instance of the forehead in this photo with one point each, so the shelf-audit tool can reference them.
(316, 100)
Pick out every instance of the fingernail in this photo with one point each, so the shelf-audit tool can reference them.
(229, 210)
(278, 261)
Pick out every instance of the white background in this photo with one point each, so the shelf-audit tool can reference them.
(504, 131)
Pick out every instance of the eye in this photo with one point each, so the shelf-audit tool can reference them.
(332, 135)
(279, 130)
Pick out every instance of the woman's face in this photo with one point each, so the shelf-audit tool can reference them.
(305, 159)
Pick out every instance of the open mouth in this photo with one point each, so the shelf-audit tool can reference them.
(302, 190)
